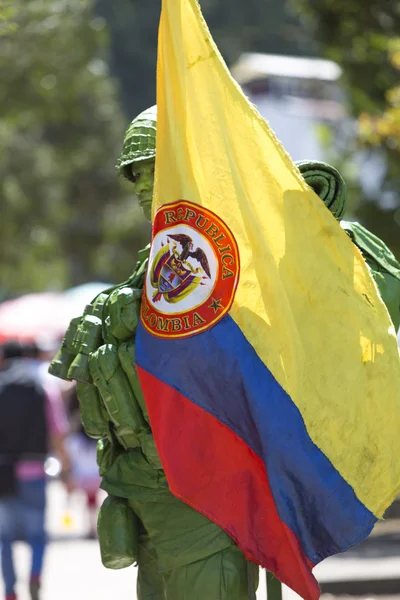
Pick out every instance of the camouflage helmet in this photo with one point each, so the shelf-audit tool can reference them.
(327, 182)
(139, 142)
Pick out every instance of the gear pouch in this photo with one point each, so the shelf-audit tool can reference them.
(79, 369)
(61, 363)
(126, 354)
(94, 416)
(118, 531)
(117, 394)
(88, 335)
(96, 306)
(123, 308)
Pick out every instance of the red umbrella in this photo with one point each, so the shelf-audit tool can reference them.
(32, 317)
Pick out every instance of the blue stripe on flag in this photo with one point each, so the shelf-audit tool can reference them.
(220, 372)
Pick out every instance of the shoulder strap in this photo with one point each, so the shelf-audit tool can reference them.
(373, 247)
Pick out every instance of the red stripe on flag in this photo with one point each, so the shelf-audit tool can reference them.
(213, 470)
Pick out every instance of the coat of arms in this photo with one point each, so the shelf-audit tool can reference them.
(193, 271)
(173, 273)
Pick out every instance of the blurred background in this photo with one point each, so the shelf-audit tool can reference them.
(324, 73)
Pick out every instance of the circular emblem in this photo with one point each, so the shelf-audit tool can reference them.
(193, 271)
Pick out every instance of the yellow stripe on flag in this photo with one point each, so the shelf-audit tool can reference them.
(305, 300)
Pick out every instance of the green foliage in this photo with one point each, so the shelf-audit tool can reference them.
(237, 26)
(362, 36)
(8, 11)
(65, 215)
(385, 127)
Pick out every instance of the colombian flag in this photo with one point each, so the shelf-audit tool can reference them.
(268, 361)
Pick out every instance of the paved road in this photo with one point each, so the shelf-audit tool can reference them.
(74, 572)
(73, 569)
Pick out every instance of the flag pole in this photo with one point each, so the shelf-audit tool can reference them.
(274, 587)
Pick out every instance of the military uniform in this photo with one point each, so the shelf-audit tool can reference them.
(180, 553)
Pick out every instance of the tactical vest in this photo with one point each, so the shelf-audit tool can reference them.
(98, 352)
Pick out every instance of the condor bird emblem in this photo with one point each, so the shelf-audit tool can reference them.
(173, 274)
(187, 246)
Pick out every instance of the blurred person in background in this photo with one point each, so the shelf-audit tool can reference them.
(32, 422)
(82, 456)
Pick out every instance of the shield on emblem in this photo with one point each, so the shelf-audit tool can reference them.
(173, 275)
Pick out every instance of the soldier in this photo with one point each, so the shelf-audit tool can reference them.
(180, 553)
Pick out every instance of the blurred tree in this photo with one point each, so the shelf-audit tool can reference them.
(66, 218)
(385, 127)
(237, 26)
(8, 10)
(362, 36)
